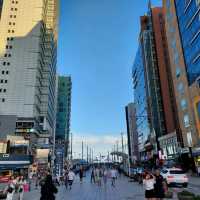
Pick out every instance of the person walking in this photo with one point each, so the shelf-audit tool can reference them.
(113, 175)
(100, 176)
(149, 182)
(66, 179)
(48, 189)
(21, 183)
(10, 189)
(105, 176)
(159, 185)
(198, 170)
(81, 171)
(71, 177)
(92, 177)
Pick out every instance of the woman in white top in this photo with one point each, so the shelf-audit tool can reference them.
(149, 186)
(71, 177)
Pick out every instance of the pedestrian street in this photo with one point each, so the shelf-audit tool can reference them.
(124, 190)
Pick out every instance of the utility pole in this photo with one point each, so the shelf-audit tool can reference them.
(122, 142)
(90, 155)
(117, 150)
(71, 147)
(82, 150)
(87, 154)
(114, 153)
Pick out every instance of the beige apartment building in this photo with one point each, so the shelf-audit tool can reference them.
(28, 54)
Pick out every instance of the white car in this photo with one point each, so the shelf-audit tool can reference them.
(175, 176)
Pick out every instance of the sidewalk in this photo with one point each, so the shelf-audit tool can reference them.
(194, 180)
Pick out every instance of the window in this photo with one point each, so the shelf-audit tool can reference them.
(8, 63)
(15, 9)
(2, 72)
(198, 110)
(14, 16)
(183, 104)
(4, 90)
(0, 90)
(8, 31)
(180, 88)
(1, 80)
(3, 100)
(10, 23)
(186, 120)
(6, 81)
(4, 63)
(7, 72)
(178, 72)
(13, 31)
(189, 139)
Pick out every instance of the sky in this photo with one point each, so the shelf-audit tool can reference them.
(97, 44)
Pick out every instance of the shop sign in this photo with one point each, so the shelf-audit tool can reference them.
(185, 150)
(5, 155)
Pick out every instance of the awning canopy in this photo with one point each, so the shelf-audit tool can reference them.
(13, 166)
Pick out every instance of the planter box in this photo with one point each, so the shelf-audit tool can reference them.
(184, 197)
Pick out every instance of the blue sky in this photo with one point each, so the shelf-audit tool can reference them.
(97, 46)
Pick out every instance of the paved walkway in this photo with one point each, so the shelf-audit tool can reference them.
(124, 190)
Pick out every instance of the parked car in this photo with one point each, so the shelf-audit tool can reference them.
(133, 173)
(175, 176)
(4, 179)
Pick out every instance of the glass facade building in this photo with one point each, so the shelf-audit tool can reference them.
(140, 99)
(188, 16)
(63, 108)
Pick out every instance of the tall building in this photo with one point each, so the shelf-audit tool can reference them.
(62, 122)
(182, 27)
(140, 99)
(188, 21)
(28, 46)
(63, 108)
(132, 132)
(160, 110)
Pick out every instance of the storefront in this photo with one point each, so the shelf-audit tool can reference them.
(16, 164)
(168, 146)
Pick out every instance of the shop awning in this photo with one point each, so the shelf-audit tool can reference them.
(13, 166)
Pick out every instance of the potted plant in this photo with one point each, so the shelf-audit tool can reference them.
(185, 195)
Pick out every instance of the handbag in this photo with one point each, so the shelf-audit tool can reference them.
(10, 189)
(3, 195)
